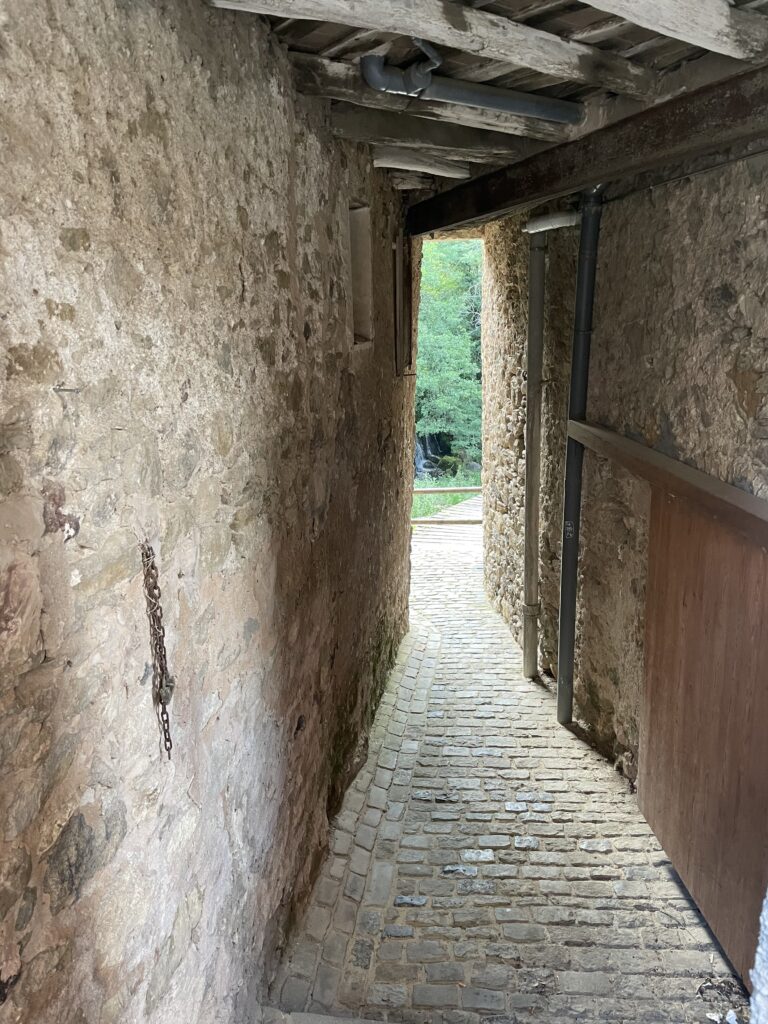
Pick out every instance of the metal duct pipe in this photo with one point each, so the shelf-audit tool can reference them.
(418, 81)
(537, 262)
(509, 101)
(591, 210)
(536, 227)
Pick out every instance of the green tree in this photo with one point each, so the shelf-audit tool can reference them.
(448, 385)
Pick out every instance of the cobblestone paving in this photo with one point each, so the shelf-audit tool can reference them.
(487, 865)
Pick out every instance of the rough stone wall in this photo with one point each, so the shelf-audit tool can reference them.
(679, 362)
(504, 341)
(504, 313)
(177, 363)
(610, 627)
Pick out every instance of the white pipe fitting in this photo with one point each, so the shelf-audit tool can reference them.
(550, 221)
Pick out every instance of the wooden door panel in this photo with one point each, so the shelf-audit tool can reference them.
(703, 782)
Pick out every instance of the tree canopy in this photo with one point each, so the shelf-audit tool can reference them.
(448, 386)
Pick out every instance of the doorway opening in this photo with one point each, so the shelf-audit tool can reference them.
(448, 409)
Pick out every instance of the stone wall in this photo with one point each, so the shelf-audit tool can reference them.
(679, 362)
(504, 339)
(504, 313)
(177, 364)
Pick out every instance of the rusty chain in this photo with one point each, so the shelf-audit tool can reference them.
(162, 681)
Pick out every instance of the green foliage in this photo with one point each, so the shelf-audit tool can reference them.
(449, 465)
(427, 504)
(448, 389)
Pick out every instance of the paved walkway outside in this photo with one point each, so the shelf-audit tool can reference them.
(486, 864)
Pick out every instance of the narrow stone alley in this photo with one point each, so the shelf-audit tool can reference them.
(486, 862)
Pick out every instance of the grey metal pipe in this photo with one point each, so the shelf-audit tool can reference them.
(591, 210)
(418, 81)
(508, 101)
(536, 285)
(536, 227)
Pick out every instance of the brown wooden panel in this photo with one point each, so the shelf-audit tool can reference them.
(704, 751)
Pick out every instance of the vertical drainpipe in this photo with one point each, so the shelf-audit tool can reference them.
(536, 283)
(591, 209)
(537, 228)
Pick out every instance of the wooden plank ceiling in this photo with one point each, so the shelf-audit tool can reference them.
(615, 57)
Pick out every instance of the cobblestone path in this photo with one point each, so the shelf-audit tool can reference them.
(487, 864)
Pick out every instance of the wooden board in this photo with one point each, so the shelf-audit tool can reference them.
(461, 27)
(703, 782)
(711, 24)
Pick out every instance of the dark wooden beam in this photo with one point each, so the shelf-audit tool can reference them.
(687, 126)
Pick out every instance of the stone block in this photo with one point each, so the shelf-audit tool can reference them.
(523, 932)
(425, 951)
(294, 994)
(435, 996)
(494, 842)
(389, 995)
(482, 999)
(410, 901)
(478, 856)
(591, 983)
(466, 870)
(326, 892)
(445, 972)
(325, 988)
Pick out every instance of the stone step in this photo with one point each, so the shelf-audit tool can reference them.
(273, 1015)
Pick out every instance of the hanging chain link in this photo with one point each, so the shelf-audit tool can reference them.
(162, 681)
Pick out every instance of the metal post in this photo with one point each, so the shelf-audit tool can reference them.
(574, 457)
(536, 286)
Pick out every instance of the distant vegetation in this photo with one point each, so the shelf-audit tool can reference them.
(448, 388)
(448, 373)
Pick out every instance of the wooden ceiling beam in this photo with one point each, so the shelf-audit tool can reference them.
(360, 35)
(451, 24)
(691, 125)
(599, 31)
(337, 80)
(414, 160)
(534, 9)
(410, 181)
(387, 128)
(711, 24)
